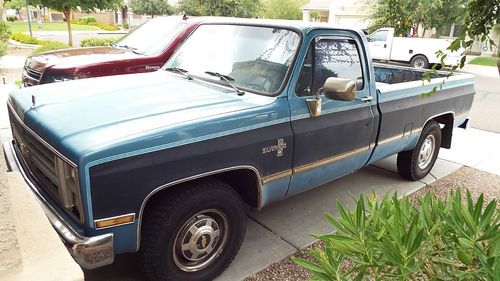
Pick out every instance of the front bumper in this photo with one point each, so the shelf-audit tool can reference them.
(88, 252)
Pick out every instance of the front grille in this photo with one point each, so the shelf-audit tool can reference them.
(31, 77)
(42, 163)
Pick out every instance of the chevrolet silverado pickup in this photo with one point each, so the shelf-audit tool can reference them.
(145, 49)
(245, 113)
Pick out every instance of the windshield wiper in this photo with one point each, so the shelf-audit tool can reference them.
(227, 79)
(130, 48)
(181, 71)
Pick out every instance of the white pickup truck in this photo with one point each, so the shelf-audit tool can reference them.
(419, 52)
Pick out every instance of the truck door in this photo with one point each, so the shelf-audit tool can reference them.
(339, 140)
(379, 44)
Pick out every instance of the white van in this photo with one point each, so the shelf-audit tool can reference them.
(419, 52)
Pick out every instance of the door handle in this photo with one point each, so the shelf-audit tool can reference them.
(385, 46)
(365, 99)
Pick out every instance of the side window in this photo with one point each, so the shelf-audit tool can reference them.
(326, 58)
(379, 36)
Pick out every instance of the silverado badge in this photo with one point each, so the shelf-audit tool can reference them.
(279, 148)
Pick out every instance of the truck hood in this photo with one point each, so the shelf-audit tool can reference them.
(78, 57)
(81, 116)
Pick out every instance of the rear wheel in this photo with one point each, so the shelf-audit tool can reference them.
(193, 233)
(418, 162)
(419, 62)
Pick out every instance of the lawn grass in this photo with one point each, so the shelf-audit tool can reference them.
(485, 61)
(48, 26)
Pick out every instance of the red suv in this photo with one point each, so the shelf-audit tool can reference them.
(144, 49)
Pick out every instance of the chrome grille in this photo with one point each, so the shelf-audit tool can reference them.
(42, 163)
(31, 77)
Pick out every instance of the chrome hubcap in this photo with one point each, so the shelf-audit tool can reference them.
(426, 152)
(200, 240)
(419, 63)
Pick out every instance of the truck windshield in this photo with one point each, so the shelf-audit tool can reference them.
(152, 37)
(257, 58)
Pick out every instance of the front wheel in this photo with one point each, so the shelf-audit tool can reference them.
(418, 162)
(193, 233)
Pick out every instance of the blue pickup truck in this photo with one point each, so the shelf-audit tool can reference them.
(245, 113)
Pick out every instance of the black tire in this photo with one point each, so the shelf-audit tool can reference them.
(171, 219)
(410, 163)
(438, 66)
(419, 62)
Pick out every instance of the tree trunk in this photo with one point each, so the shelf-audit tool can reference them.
(19, 13)
(67, 15)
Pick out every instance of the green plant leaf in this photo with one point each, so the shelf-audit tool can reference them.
(464, 257)
(308, 265)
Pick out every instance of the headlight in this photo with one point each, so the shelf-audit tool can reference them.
(59, 78)
(69, 188)
(27, 62)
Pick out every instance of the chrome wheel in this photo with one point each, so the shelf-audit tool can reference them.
(419, 63)
(200, 240)
(426, 152)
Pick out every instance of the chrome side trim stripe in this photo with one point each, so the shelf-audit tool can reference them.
(277, 176)
(329, 160)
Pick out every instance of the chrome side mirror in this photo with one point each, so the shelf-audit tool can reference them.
(339, 89)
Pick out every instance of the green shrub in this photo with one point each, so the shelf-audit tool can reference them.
(74, 21)
(95, 42)
(11, 18)
(125, 25)
(88, 19)
(5, 31)
(394, 239)
(108, 27)
(26, 39)
(50, 46)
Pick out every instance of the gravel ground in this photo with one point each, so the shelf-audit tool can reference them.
(475, 180)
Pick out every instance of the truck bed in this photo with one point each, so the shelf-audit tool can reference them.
(404, 108)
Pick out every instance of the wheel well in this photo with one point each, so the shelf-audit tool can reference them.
(244, 181)
(416, 55)
(447, 129)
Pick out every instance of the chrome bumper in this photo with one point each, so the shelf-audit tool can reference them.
(88, 252)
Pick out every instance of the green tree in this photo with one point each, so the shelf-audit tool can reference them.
(227, 8)
(67, 6)
(403, 14)
(283, 9)
(480, 19)
(151, 7)
(16, 5)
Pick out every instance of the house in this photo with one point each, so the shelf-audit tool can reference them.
(352, 13)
